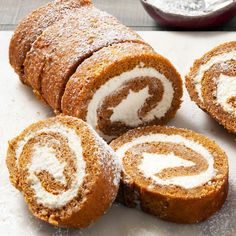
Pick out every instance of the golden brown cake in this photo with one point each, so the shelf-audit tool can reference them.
(176, 174)
(105, 73)
(57, 53)
(33, 25)
(123, 86)
(68, 175)
(211, 83)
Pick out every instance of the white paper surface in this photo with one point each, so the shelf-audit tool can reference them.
(19, 108)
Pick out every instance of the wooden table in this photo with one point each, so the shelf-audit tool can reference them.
(130, 12)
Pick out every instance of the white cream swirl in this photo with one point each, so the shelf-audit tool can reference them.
(205, 67)
(226, 89)
(154, 163)
(127, 110)
(44, 158)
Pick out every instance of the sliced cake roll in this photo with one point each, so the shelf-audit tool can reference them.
(219, 93)
(172, 173)
(217, 55)
(57, 53)
(123, 86)
(33, 25)
(68, 175)
(211, 83)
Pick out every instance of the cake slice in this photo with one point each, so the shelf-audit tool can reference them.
(175, 174)
(68, 175)
(211, 83)
(121, 87)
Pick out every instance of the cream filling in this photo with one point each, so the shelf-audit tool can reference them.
(44, 159)
(48, 162)
(225, 89)
(127, 110)
(186, 182)
(205, 67)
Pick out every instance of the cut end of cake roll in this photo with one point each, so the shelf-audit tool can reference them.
(219, 55)
(121, 87)
(175, 174)
(33, 25)
(68, 175)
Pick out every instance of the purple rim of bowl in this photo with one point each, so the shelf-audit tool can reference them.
(212, 19)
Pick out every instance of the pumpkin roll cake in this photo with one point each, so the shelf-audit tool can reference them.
(61, 48)
(68, 175)
(123, 86)
(211, 83)
(176, 174)
(33, 25)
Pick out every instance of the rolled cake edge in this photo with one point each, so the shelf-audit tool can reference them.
(11, 154)
(25, 28)
(95, 203)
(40, 82)
(57, 106)
(184, 211)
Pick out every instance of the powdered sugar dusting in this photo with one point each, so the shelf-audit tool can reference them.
(190, 7)
(15, 217)
(34, 24)
(105, 157)
(57, 53)
(223, 223)
(108, 158)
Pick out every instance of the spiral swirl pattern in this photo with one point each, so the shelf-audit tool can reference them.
(121, 87)
(68, 175)
(170, 160)
(172, 173)
(221, 58)
(44, 158)
(132, 98)
(211, 83)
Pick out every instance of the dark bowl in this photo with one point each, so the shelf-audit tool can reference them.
(211, 19)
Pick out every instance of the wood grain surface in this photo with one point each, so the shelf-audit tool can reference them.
(130, 12)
